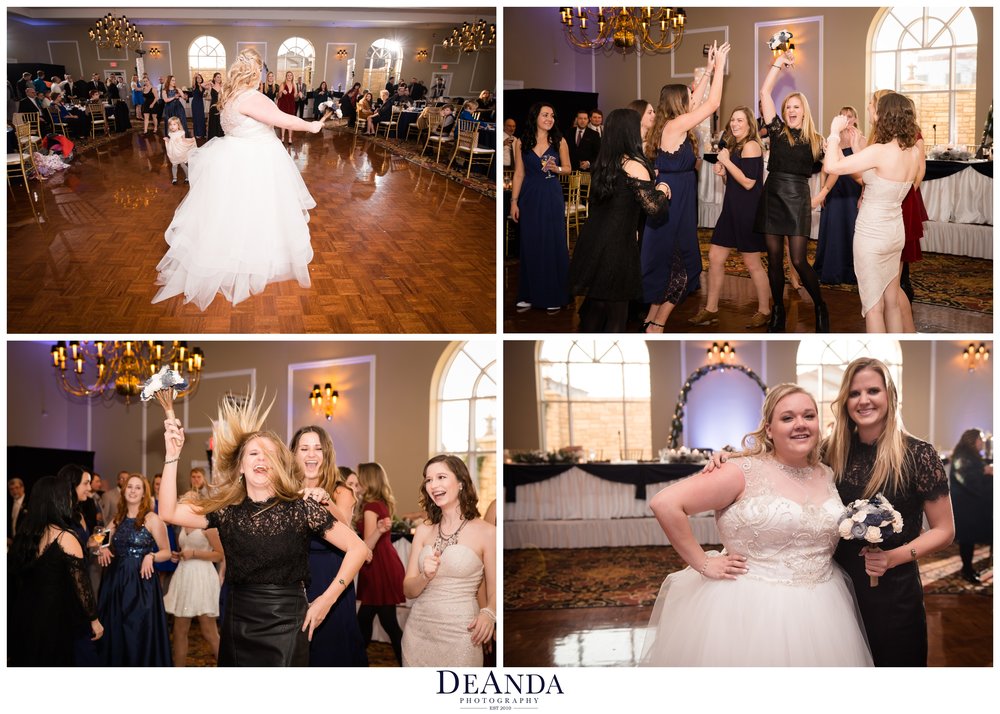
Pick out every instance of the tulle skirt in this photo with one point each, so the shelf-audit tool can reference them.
(242, 225)
(754, 623)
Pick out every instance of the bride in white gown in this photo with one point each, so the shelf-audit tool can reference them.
(774, 596)
(244, 222)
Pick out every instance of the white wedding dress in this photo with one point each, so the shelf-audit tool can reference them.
(794, 607)
(244, 221)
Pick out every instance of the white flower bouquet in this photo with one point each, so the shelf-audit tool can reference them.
(870, 520)
(163, 387)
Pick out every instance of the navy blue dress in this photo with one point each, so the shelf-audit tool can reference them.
(131, 607)
(835, 252)
(678, 234)
(734, 229)
(544, 269)
(174, 109)
(338, 641)
(198, 111)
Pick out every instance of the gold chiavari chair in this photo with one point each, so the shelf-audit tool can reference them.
(468, 143)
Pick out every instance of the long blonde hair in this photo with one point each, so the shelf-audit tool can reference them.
(808, 129)
(757, 441)
(238, 423)
(890, 453)
(375, 485)
(244, 73)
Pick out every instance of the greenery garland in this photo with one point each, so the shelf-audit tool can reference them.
(677, 426)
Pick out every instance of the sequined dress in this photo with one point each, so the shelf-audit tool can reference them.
(261, 237)
(794, 606)
(436, 632)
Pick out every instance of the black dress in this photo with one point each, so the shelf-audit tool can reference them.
(50, 602)
(214, 121)
(605, 267)
(734, 229)
(784, 208)
(971, 499)
(267, 569)
(893, 611)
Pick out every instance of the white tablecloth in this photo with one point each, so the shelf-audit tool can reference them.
(963, 197)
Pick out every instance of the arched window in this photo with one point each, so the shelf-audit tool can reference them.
(296, 55)
(384, 60)
(206, 56)
(821, 365)
(595, 394)
(929, 54)
(466, 401)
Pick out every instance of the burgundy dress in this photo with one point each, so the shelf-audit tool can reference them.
(914, 215)
(286, 102)
(380, 582)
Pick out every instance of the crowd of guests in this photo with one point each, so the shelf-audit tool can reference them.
(871, 219)
(95, 569)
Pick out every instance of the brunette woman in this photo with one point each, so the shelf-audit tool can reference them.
(198, 105)
(972, 493)
(785, 208)
(173, 103)
(287, 96)
(214, 92)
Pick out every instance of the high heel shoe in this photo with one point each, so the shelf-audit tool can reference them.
(822, 318)
(777, 321)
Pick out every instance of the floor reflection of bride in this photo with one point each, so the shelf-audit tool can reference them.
(773, 597)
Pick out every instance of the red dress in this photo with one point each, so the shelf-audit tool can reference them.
(286, 102)
(914, 215)
(380, 582)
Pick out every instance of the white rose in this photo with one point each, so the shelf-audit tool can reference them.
(845, 528)
(897, 523)
(859, 517)
(873, 535)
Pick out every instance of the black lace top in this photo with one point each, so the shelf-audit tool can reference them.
(785, 157)
(927, 482)
(268, 543)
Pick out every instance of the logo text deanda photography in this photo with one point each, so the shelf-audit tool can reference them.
(497, 691)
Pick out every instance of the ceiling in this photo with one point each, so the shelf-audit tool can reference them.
(425, 18)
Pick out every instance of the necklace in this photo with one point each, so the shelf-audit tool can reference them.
(442, 541)
(803, 473)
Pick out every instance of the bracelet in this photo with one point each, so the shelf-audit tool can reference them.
(489, 613)
(171, 461)
(913, 553)
(704, 567)
(777, 67)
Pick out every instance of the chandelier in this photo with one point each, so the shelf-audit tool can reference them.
(323, 401)
(110, 369)
(624, 29)
(115, 32)
(472, 38)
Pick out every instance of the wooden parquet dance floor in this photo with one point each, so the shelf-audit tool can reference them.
(398, 248)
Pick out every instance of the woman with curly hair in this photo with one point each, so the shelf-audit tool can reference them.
(337, 642)
(454, 552)
(380, 582)
(889, 165)
(131, 600)
(264, 526)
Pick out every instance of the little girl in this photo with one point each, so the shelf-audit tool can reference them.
(178, 148)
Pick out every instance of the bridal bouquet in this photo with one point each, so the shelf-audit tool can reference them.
(163, 387)
(869, 520)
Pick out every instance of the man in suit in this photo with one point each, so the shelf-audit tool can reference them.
(111, 497)
(81, 89)
(301, 97)
(22, 84)
(17, 507)
(96, 83)
(584, 143)
(597, 121)
(31, 104)
(384, 112)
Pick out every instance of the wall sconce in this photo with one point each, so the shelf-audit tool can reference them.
(341, 54)
(421, 55)
(721, 354)
(324, 400)
(154, 52)
(975, 356)
(780, 42)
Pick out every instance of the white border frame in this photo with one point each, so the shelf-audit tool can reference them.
(818, 19)
(347, 60)
(687, 32)
(169, 53)
(76, 44)
(434, 49)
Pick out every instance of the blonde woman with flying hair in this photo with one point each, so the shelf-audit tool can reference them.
(264, 526)
(239, 251)
(870, 452)
(774, 596)
(380, 583)
(785, 208)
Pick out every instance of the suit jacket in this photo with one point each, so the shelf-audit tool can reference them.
(11, 526)
(586, 150)
(80, 88)
(98, 85)
(384, 112)
(28, 105)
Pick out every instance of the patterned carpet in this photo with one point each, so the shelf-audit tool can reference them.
(555, 579)
(939, 279)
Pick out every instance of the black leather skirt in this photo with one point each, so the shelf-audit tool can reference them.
(784, 208)
(262, 627)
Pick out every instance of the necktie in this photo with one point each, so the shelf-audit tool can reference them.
(579, 136)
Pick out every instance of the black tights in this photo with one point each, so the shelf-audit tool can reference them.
(776, 268)
(603, 315)
(387, 618)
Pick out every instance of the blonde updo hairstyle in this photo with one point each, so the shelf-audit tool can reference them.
(244, 73)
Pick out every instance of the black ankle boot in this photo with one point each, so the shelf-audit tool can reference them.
(970, 575)
(904, 283)
(777, 321)
(822, 318)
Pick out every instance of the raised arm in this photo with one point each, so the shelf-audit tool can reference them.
(701, 492)
(689, 120)
(340, 536)
(264, 110)
(180, 514)
(698, 93)
(834, 162)
(767, 88)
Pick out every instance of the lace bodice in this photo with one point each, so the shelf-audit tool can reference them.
(654, 203)
(235, 123)
(787, 529)
(267, 543)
